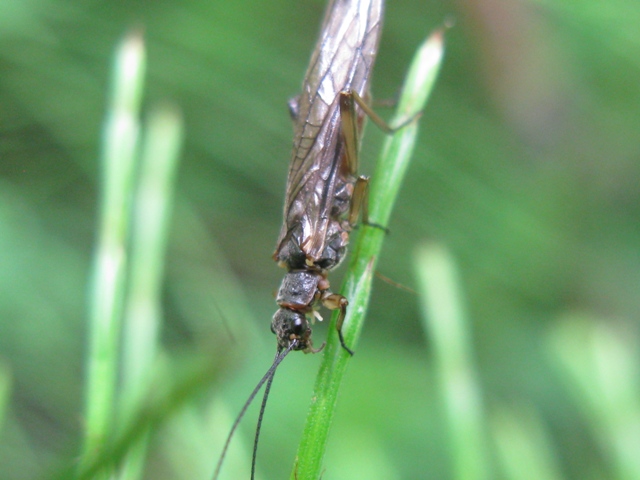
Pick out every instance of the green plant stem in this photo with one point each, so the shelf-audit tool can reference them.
(185, 380)
(446, 324)
(121, 133)
(5, 391)
(154, 194)
(598, 360)
(523, 444)
(389, 173)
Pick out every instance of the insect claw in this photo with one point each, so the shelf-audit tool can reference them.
(405, 123)
(310, 349)
(377, 225)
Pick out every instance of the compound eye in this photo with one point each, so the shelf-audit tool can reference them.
(299, 325)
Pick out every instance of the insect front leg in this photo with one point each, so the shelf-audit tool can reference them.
(335, 301)
(350, 98)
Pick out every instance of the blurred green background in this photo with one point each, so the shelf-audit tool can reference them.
(527, 170)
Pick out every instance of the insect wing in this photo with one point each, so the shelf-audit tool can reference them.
(342, 60)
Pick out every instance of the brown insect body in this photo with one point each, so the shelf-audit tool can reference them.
(318, 209)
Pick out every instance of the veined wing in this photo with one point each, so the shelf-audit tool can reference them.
(342, 60)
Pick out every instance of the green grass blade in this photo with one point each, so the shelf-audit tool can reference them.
(445, 323)
(523, 444)
(5, 391)
(110, 258)
(185, 380)
(599, 362)
(159, 159)
(390, 170)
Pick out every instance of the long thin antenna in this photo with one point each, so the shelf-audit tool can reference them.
(267, 389)
(267, 376)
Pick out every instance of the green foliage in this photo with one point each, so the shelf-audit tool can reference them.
(525, 174)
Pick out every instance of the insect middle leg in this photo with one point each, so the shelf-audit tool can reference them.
(351, 125)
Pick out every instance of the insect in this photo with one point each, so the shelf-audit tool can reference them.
(324, 195)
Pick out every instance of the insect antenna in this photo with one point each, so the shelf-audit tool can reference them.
(267, 377)
(267, 388)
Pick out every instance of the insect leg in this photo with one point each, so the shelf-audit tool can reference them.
(334, 301)
(343, 313)
(375, 118)
(360, 197)
(349, 129)
(360, 204)
(359, 201)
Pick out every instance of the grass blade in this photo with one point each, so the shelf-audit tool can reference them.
(119, 158)
(142, 319)
(446, 324)
(391, 167)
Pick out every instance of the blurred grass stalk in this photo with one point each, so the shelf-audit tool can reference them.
(120, 141)
(446, 326)
(154, 195)
(386, 182)
(523, 445)
(600, 362)
(136, 191)
(5, 391)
